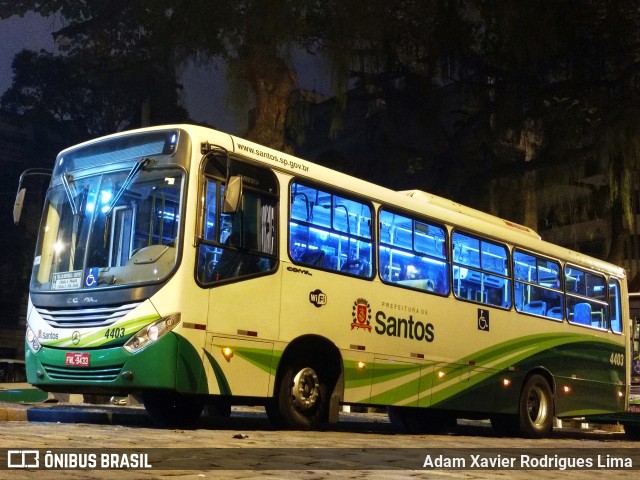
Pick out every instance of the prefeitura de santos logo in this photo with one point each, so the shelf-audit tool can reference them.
(361, 314)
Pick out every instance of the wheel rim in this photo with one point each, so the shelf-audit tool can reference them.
(537, 406)
(305, 389)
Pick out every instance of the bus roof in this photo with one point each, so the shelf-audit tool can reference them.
(471, 212)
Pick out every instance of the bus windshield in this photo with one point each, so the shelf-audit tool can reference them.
(109, 228)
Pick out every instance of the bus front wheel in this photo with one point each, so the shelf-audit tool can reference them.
(536, 407)
(302, 399)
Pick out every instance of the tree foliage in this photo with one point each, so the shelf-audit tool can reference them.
(110, 71)
(252, 36)
(95, 95)
(540, 93)
(506, 97)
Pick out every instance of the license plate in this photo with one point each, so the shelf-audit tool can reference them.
(76, 359)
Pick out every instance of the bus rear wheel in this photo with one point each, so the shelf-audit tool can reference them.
(301, 401)
(536, 408)
(171, 409)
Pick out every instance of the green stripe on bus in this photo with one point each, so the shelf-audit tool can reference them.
(383, 372)
(259, 357)
(99, 338)
(486, 364)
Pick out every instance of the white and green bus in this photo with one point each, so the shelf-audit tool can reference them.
(191, 268)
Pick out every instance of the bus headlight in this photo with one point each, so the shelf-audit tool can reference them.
(152, 332)
(32, 340)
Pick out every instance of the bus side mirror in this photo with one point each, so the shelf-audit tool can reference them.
(22, 191)
(17, 206)
(232, 195)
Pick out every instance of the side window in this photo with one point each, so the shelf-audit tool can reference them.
(586, 297)
(413, 253)
(615, 306)
(538, 289)
(215, 229)
(242, 243)
(481, 271)
(330, 231)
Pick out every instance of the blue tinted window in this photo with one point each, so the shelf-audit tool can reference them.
(330, 231)
(615, 307)
(586, 297)
(538, 290)
(413, 253)
(481, 270)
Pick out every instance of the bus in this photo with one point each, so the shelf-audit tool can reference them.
(193, 268)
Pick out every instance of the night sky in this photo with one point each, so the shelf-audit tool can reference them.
(204, 93)
(32, 32)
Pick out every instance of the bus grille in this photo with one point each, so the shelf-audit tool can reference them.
(96, 374)
(85, 317)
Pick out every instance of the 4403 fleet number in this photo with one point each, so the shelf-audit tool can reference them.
(114, 332)
(617, 359)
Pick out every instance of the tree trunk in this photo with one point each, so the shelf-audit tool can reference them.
(272, 81)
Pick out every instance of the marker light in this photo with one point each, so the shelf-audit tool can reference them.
(227, 353)
(441, 374)
(566, 389)
(362, 365)
(152, 333)
(506, 382)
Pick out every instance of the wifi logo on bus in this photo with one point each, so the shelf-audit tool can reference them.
(318, 298)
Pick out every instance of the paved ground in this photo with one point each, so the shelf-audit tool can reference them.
(364, 446)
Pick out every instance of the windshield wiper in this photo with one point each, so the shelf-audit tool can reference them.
(77, 209)
(133, 173)
(71, 194)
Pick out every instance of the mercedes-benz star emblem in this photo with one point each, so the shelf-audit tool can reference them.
(75, 337)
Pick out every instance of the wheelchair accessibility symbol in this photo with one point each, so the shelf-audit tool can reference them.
(91, 277)
(483, 319)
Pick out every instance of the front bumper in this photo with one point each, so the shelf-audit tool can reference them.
(110, 370)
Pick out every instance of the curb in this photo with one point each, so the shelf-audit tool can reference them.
(73, 413)
(137, 416)
(13, 412)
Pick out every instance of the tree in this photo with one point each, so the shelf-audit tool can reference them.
(566, 96)
(252, 36)
(95, 95)
(528, 93)
(102, 82)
